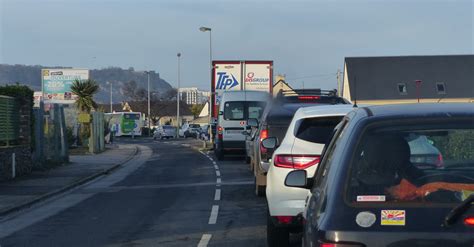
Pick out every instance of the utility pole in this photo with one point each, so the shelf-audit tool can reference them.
(338, 76)
(177, 96)
(149, 115)
(110, 83)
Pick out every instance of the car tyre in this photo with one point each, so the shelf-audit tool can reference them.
(277, 236)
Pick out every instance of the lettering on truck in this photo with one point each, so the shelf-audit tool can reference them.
(225, 82)
(251, 78)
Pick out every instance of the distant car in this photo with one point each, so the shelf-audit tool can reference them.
(165, 131)
(192, 131)
(423, 153)
(275, 121)
(367, 192)
(301, 148)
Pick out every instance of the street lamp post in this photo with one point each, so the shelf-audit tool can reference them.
(149, 115)
(208, 29)
(110, 83)
(177, 95)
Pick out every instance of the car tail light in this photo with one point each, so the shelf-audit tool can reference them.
(308, 97)
(340, 245)
(219, 132)
(284, 219)
(439, 161)
(469, 221)
(263, 134)
(296, 161)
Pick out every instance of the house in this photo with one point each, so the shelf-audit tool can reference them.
(409, 79)
(280, 85)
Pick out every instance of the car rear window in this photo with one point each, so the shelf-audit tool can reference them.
(427, 164)
(194, 126)
(317, 130)
(242, 110)
(168, 127)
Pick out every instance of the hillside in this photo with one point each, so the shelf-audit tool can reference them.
(31, 76)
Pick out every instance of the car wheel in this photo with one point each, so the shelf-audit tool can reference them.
(259, 189)
(277, 236)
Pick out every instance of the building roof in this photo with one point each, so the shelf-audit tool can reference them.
(376, 78)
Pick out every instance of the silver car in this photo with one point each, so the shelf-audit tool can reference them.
(165, 131)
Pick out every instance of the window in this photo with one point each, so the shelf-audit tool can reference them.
(440, 88)
(317, 130)
(415, 163)
(234, 110)
(255, 109)
(402, 88)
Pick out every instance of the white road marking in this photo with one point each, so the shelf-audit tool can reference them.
(214, 214)
(218, 181)
(216, 167)
(218, 173)
(217, 196)
(204, 240)
(213, 162)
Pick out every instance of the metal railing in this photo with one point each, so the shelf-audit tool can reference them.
(9, 121)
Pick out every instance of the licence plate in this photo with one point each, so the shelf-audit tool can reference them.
(233, 131)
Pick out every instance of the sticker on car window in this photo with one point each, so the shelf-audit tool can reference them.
(392, 217)
(365, 219)
(370, 198)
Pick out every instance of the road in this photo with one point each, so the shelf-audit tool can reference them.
(169, 195)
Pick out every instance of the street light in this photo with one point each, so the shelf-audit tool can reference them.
(149, 115)
(205, 29)
(177, 96)
(110, 83)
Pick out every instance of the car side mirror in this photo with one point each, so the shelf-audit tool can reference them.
(270, 143)
(297, 179)
(252, 122)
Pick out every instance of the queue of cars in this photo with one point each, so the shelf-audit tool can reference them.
(394, 175)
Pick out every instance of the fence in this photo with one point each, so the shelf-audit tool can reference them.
(9, 121)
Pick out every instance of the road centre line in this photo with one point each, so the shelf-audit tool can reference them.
(219, 181)
(218, 173)
(204, 240)
(216, 167)
(217, 196)
(214, 214)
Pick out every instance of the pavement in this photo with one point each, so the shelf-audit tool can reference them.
(40, 185)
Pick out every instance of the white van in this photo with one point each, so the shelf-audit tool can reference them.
(235, 108)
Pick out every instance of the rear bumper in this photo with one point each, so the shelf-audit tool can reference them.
(231, 145)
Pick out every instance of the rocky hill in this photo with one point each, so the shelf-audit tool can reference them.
(31, 76)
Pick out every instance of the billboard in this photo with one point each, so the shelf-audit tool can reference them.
(56, 84)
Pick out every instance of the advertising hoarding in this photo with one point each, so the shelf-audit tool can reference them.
(56, 84)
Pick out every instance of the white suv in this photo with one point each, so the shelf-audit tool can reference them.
(301, 148)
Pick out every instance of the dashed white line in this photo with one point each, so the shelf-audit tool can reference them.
(218, 181)
(218, 173)
(216, 167)
(217, 196)
(204, 240)
(213, 162)
(214, 213)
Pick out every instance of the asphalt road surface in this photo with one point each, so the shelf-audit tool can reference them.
(168, 195)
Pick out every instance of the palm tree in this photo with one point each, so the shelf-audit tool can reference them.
(85, 90)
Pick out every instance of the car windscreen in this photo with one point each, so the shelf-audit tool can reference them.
(316, 130)
(427, 164)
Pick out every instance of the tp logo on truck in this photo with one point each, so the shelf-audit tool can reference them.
(225, 82)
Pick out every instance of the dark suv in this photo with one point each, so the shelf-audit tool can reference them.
(370, 191)
(275, 121)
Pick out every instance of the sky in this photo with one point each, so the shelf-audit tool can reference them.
(307, 40)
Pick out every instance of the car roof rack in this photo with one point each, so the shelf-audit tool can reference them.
(313, 92)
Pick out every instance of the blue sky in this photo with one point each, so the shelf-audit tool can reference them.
(307, 40)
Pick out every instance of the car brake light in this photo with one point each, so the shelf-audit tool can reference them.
(469, 221)
(296, 161)
(219, 132)
(308, 97)
(439, 161)
(263, 134)
(340, 245)
(284, 219)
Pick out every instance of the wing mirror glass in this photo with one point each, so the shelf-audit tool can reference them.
(296, 178)
(252, 122)
(270, 143)
(221, 113)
